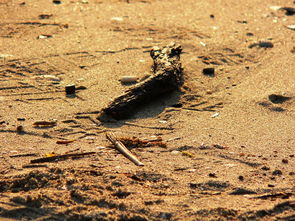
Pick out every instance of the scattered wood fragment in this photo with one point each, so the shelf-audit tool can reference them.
(122, 149)
(167, 77)
(61, 157)
(24, 155)
(129, 79)
(34, 165)
(134, 142)
(45, 123)
(65, 141)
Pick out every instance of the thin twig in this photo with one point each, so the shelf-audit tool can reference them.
(122, 149)
(60, 157)
(24, 155)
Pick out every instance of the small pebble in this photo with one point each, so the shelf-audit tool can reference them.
(278, 99)
(292, 27)
(128, 79)
(288, 10)
(212, 175)
(117, 19)
(277, 172)
(70, 89)
(285, 161)
(215, 115)
(249, 34)
(44, 36)
(241, 178)
(44, 16)
(19, 129)
(262, 44)
(209, 72)
(265, 168)
(56, 2)
(175, 152)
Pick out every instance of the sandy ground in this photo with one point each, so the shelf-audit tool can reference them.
(229, 138)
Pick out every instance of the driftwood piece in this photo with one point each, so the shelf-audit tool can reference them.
(122, 149)
(168, 76)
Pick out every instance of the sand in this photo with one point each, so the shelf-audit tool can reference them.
(227, 141)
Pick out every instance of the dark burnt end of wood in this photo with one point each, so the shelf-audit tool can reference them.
(167, 77)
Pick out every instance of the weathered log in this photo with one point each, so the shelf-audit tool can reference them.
(168, 76)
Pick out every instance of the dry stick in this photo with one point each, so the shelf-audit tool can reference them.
(60, 157)
(123, 150)
(24, 155)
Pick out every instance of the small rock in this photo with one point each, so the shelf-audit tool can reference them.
(292, 27)
(56, 2)
(215, 115)
(212, 175)
(285, 161)
(277, 172)
(45, 16)
(275, 7)
(129, 79)
(241, 178)
(288, 10)
(192, 170)
(20, 129)
(261, 44)
(242, 22)
(21, 119)
(265, 168)
(278, 99)
(117, 19)
(70, 89)
(203, 44)
(209, 72)
(44, 36)
(270, 185)
(249, 34)
(175, 152)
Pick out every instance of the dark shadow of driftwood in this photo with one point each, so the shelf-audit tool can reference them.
(147, 110)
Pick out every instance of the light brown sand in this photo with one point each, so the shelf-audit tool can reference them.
(96, 42)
